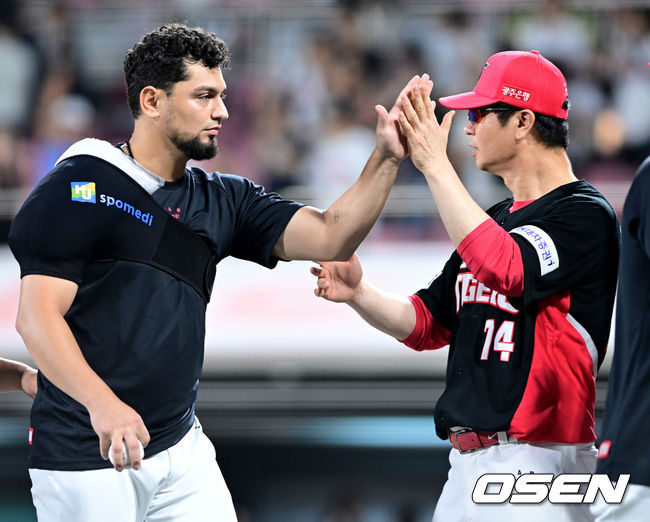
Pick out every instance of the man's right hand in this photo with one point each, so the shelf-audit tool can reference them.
(114, 422)
(342, 282)
(338, 281)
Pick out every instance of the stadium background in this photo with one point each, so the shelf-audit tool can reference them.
(315, 416)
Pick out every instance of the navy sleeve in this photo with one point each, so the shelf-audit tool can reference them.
(569, 243)
(55, 232)
(261, 217)
(637, 208)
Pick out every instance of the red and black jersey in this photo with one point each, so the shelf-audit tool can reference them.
(527, 364)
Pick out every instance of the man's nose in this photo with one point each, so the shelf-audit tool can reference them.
(220, 112)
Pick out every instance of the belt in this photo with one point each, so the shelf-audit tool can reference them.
(467, 439)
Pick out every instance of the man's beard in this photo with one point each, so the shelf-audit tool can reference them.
(193, 148)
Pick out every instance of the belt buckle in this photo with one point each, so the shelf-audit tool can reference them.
(454, 434)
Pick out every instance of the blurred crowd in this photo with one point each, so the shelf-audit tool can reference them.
(306, 76)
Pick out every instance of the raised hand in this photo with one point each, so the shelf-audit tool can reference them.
(390, 141)
(426, 138)
(338, 281)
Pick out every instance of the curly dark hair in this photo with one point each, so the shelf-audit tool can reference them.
(160, 59)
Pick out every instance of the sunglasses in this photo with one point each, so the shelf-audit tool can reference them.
(476, 115)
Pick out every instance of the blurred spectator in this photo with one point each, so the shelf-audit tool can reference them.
(558, 33)
(628, 38)
(55, 38)
(17, 91)
(567, 39)
(587, 100)
(12, 151)
(340, 154)
(306, 78)
(630, 53)
(276, 146)
(305, 84)
(66, 119)
(608, 169)
(449, 43)
(19, 71)
(369, 23)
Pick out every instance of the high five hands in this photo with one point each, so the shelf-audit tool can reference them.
(390, 139)
(410, 127)
(425, 137)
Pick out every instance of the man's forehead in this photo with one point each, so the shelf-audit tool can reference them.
(199, 73)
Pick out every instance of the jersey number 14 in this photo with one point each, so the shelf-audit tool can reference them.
(499, 342)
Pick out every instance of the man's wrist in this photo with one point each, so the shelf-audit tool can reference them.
(392, 160)
(358, 294)
(438, 168)
(102, 396)
(385, 157)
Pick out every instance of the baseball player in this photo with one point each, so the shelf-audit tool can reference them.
(524, 302)
(16, 376)
(626, 425)
(114, 287)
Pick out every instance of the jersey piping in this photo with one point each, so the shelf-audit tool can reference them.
(589, 342)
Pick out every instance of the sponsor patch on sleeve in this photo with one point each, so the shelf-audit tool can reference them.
(549, 259)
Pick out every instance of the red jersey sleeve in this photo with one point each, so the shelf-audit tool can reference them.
(494, 258)
(427, 334)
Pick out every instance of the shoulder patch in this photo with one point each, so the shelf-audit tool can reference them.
(549, 259)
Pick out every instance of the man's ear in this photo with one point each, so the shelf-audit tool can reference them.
(151, 100)
(524, 123)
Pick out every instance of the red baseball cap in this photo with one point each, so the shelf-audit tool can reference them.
(523, 79)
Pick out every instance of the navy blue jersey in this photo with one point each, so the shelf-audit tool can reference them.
(140, 327)
(527, 364)
(626, 425)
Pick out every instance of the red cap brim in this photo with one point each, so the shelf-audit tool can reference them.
(466, 100)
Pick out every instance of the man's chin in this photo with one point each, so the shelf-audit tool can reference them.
(198, 150)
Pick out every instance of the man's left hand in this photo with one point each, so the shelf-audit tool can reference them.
(390, 141)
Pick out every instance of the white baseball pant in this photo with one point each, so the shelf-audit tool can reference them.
(183, 483)
(456, 505)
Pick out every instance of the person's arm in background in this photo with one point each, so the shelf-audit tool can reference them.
(335, 233)
(44, 301)
(16, 376)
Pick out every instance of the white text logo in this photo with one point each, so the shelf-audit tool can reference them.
(534, 488)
